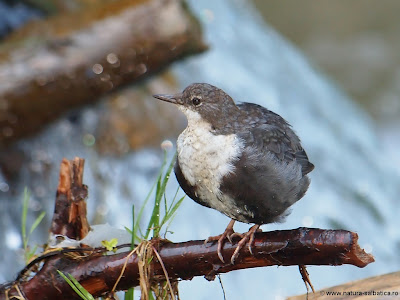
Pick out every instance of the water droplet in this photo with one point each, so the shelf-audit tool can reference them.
(13, 240)
(307, 221)
(368, 248)
(112, 58)
(4, 187)
(97, 69)
(141, 68)
(89, 140)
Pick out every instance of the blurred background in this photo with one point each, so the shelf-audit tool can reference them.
(73, 83)
(355, 44)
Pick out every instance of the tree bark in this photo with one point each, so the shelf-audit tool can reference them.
(69, 218)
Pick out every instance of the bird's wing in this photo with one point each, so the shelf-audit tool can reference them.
(279, 140)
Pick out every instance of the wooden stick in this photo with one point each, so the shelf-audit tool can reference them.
(69, 217)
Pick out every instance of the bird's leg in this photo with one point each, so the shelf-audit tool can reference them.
(246, 237)
(306, 278)
(221, 239)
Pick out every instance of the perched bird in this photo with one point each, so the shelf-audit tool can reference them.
(240, 159)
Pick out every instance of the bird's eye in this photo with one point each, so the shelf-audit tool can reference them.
(196, 101)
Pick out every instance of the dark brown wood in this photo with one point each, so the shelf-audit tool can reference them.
(98, 274)
(69, 217)
(69, 60)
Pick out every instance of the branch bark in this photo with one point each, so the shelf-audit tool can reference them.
(69, 217)
(99, 273)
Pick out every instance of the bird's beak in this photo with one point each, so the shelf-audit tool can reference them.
(176, 99)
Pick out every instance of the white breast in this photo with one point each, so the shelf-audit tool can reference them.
(205, 159)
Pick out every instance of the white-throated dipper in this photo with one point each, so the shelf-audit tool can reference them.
(240, 159)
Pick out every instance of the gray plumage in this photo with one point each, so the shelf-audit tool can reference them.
(242, 160)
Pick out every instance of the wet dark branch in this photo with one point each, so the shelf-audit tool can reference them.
(98, 274)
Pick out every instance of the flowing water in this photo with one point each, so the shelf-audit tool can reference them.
(354, 185)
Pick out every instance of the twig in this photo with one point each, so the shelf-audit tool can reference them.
(165, 273)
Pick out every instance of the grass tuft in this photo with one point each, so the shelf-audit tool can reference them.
(28, 252)
(162, 214)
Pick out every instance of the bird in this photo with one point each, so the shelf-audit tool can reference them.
(242, 160)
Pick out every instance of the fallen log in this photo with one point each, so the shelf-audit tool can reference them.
(53, 65)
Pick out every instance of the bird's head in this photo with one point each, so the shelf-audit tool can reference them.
(202, 101)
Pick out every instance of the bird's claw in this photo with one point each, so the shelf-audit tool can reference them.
(228, 234)
(246, 237)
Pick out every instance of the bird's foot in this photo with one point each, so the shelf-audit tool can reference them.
(246, 237)
(306, 278)
(228, 233)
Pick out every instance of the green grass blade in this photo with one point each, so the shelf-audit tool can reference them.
(161, 186)
(37, 222)
(70, 283)
(139, 216)
(167, 174)
(85, 293)
(151, 296)
(76, 286)
(133, 228)
(165, 203)
(175, 207)
(25, 205)
(173, 202)
(155, 216)
(171, 213)
(29, 254)
(129, 294)
(154, 219)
